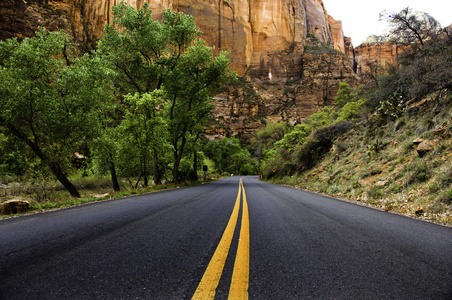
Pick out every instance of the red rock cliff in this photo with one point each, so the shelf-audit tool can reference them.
(256, 32)
(267, 39)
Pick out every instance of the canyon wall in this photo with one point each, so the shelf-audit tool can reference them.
(371, 59)
(280, 48)
(258, 33)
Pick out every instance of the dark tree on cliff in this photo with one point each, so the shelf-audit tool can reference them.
(427, 63)
(411, 27)
(167, 55)
(49, 102)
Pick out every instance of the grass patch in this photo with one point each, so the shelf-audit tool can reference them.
(90, 194)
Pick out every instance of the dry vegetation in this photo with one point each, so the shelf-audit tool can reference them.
(50, 194)
(380, 165)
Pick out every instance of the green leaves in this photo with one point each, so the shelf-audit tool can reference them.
(50, 98)
(58, 102)
(149, 56)
(142, 134)
(229, 156)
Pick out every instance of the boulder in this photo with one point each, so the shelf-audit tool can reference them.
(418, 141)
(382, 183)
(425, 146)
(14, 206)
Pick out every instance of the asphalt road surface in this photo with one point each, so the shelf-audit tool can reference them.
(224, 239)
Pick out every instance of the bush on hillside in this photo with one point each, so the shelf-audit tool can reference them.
(319, 143)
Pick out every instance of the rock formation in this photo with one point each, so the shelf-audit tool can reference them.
(249, 105)
(257, 33)
(281, 48)
(338, 34)
(14, 206)
(370, 57)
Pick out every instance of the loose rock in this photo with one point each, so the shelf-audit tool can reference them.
(14, 206)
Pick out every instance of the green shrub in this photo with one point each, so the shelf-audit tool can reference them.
(351, 111)
(396, 188)
(343, 95)
(408, 146)
(433, 188)
(319, 143)
(375, 192)
(420, 174)
(449, 196)
(446, 198)
(446, 175)
(393, 106)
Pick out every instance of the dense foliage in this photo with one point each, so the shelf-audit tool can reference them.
(51, 98)
(144, 93)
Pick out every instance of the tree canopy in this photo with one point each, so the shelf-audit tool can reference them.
(149, 55)
(50, 98)
(408, 27)
(144, 93)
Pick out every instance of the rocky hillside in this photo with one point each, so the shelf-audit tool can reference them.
(403, 166)
(283, 50)
(248, 105)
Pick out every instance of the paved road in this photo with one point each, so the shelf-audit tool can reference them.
(158, 246)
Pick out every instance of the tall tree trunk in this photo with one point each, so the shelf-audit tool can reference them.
(195, 165)
(145, 170)
(176, 169)
(157, 175)
(54, 166)
(114, 177)
(145, 177)
(177, 159)
(56, 170)
(195, 158)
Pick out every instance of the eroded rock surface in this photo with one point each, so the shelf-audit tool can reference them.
(280, 48)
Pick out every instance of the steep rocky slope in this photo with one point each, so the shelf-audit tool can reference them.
(402, 166)
(247, 106)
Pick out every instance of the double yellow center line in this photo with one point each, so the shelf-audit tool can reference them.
(240, 276)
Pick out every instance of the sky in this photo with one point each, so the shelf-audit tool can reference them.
(360, 17)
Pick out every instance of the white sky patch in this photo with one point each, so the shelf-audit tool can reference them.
(360, 18)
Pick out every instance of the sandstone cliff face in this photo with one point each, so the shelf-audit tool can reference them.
(338, 37)
(287, 74)
(256, 32)
(370, 57)
(248, 106)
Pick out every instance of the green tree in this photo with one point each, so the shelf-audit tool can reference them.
(323, 117)
(50, 99)
(104, 149)
(351, 111)
(294, 137)
(264, 140)
(142, 132)
(190, 88)
(13, 157)
(167, 55)
(344, 95)
(228, 155)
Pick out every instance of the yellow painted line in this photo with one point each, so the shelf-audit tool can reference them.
(209, 282)
(241, 273)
